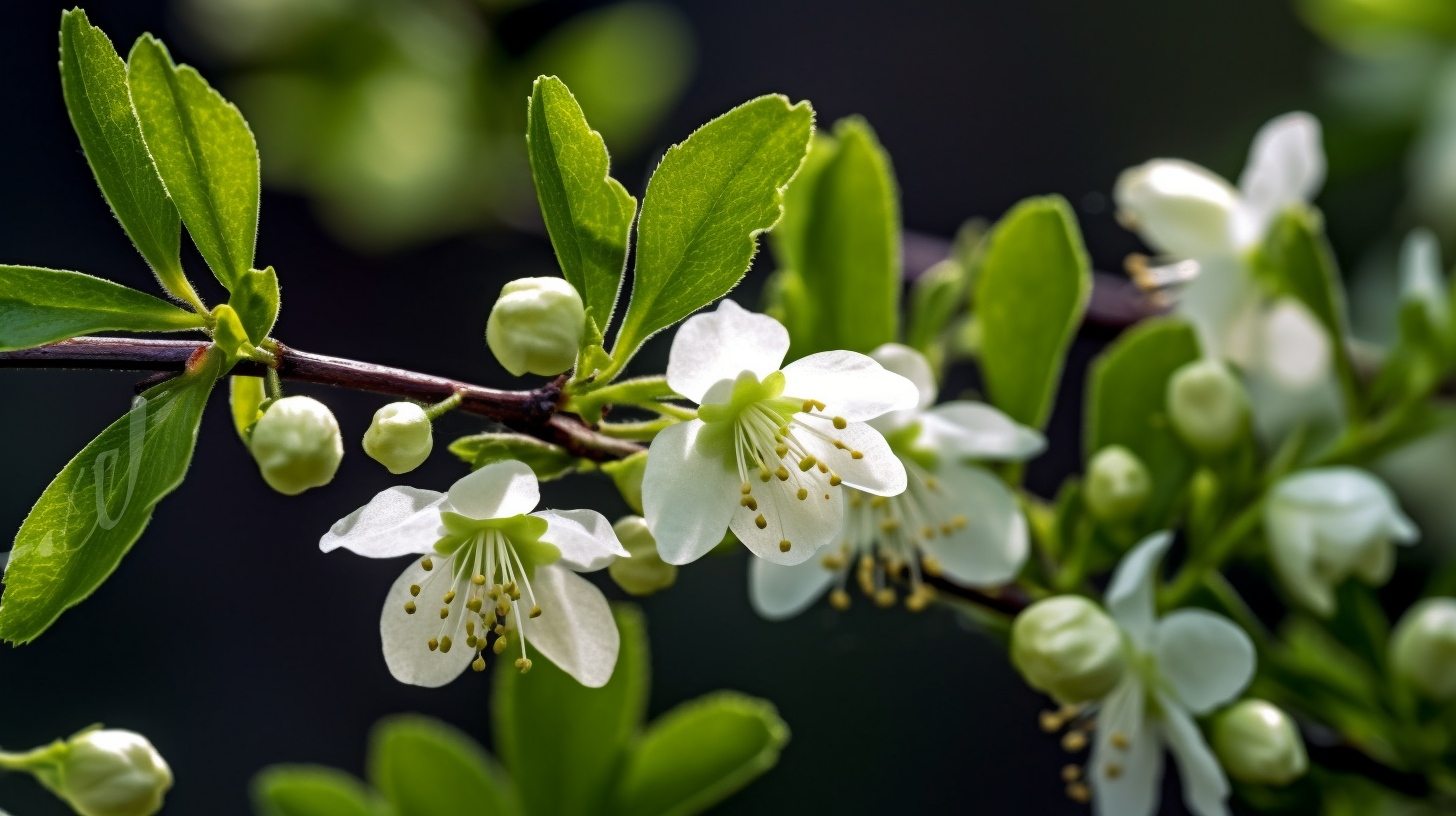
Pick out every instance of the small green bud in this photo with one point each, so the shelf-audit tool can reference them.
(1067, 647)
(1118, 484)
(400, 437)
(106, 773)
(1208, 406)
(645, 572)
(1257, 743)
(536, 326)
(297, 445)
(1423, 648)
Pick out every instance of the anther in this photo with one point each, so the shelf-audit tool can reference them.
(748, 501)
(746, 488)
(479, 664)
(761, 522)
(854, 454)
(877, 502)
(1071, 773)
(808, 406)
(781, 450)
(959, 521)
(764, 475)
(806, 463)
(503, 606)
(803, 494)
(931, 482)
(889, 524)
(784, 545)
(409, 606)
(834, 480)
(478, 580)
(427, 564)
(449, 596)
(1119, 741)
(472, 640)
(444, 612)
(433, 644)
(1079, 792)
(926, 531)
(474, 604)
(1074, 741)
(500, 645)
(1050, 721)
(415, 590)
(839, 599)
(499, 629)
(840, 423)
(535, 611)
(1113, 770)
(444, 644)
(823, 468)
(931, 566)
(885, 597)
(523, 664)
(782, 473)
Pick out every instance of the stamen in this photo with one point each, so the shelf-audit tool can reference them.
(784, 545)
(839, 423)
(806, 463)
(415, 590)
(535, 611)
(1079, 792)
(1113, 770)
(839, 599)
(445, 644)
(803, 493)
(409, 607)
(1074, 741)
(479, 664)
(427, 564)
(500, 645)
(1119, 741)
(761, 522)
(524, 665)
(449, 596)
(433, 644)
(444, 612)
(1071, 773)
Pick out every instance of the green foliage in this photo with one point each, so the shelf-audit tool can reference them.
(205, 154)
(1031, 291)
(307, 790)
(627, 474)
(423, 767)
(101, 501)
(245, 396)
(39, 306)
(256, 299)
(546, 459)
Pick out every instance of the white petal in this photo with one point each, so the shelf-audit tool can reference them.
(1130, 594)
(992, 548)
(1421, 278)
(878, 470)
(720, 345)
(1222, 304)
(406, 637)
(575, 630)
(975, 430)
(807, 524)
(585, 538)
(398, 521)
(498, 490)
(1286, 167)
(1295, 346)
(1205, 658)
(912, 365)
(1132, 789)
(777, 592)
(1292, 550)
(850, 385)
(1205, 788)
(687, 495)
(1178, 207)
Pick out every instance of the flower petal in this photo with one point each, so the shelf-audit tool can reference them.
(1205, 788)
(720, 345)
(498, 490)
(992, 547)
(406, 637)
(878, 470)
(1292, 549)
(585, 538)
(1177, 207)
(1127, 742)
(1204, 657)
(777, 592)
(1286, 167)
(807, 524)
(1294, 348)
(850, 385)
(1130, 594)
(1222, 304)
(398, 521)
(912, 365)
(575, 630)
(975, 430)
(688, 496)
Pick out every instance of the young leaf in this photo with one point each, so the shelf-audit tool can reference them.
(588, 213)
(246, 397)
(309, 790)
(205, 153)
(789, 234)
(698, 754)
(256, 300)
(547, 460)
(423, 767)
(1030, 295)
(39, 306)
(705, 206)
(100, 502)
(564, 742)
(93, 82)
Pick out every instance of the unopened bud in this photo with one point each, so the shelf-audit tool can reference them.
(536, 326)
(400, 437)
(1258, 743)
(645, 572)
(1118, 484)
(1067, 647)
(106, 773)
(1208, 406)
(297, 445)
(1423, 648)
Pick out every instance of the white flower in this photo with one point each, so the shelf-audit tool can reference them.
(492, 578)
(771, 447)
(1327, 524)
(954, 519)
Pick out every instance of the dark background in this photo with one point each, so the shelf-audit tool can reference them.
(227, 638)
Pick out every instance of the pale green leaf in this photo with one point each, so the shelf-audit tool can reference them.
(790, 233)
(547, 460)
(310, 790)
(246, 396)
(423, 767)
(256, 300)
(39, 306)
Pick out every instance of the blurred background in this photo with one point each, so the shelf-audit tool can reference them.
(395, 173)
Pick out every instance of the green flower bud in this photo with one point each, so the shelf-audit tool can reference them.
(536, 326)
(297, 445)
(1067, 647)
(645, 572)
(1208, 406)
(400, 437)
(1257, 743)
(1118, 484)
(1423, 648)
(106, 773)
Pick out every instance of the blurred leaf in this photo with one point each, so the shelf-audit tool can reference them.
(547, 460)
(588, 213)
(627, 476)
(935, 297)
(93, 81)
(698, 754)
(791, 232)
(205, 154)
(256, 300)
(705, 206)
(308, 790)
(1361, 24)
(564, 742)
(423, 767)
(39, 306)
(1032, 290)
(98, 505)
(246, 397)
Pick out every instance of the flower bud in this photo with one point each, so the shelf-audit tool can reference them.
(536, 326)
(1067, 647)
(1257, 743)
(1118, 484)
(1208, 406)
(400, 437)
(297, 445)
(1423, 648)
(106, 773)
(645, 572)
(1177, 207)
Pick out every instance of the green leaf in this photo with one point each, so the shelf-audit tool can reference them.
(1030, 295)
(246, 397)
(941, 292)
(93, 81)
(423, 767)
(627, 475)
(205, 153)
(1127, 405)
(564, 743)
(256, 300)
(705, 206)
(698, 754)
(228, 331)
(588, 213)
(790, 234)
(547, 460)
(39, 306)
(310, 790)
(98, 505)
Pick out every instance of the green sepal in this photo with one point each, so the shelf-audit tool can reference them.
(39, 306)
(246, 396)
(547, 461)
(423, 767)
(256, 299)
(312, 790)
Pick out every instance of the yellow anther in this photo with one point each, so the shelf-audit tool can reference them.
(764, 475)
(946, 529)
(1119, 741)
(474, 604)
(523, 664)
(838, 445)
(931, 482)
(445, 644)
(760, 522)
(409, 606)
(470, 627)
(806, 463)
(782, 473)
(478, 580)
(515, 592)
(746, 488)
(433, 644)
(784, 545)
(1113, 770)
(503, 606)
(509, 588)
(808, 406)
(449, 596)
(876, 502)
(854, 454)
(471, 640)
(1050, 721)
(915, 602)
(500, 645)
(750, 502)
(931, 566)
(499, 629)
(803, 494)
(826, 497)
(415, 590)
(959, 522)
(781, 450)
(494, 592)
(1079, 792)
(427, 564)
(1074, 741)
(840, 423)
(926, 531)
(819, 405)
(1071, 773)
(839, 599)
(535, 611)
(885, 597)
(833, 563)
(889, 525)
(823, 468)
(479, 664)
(444, 612)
